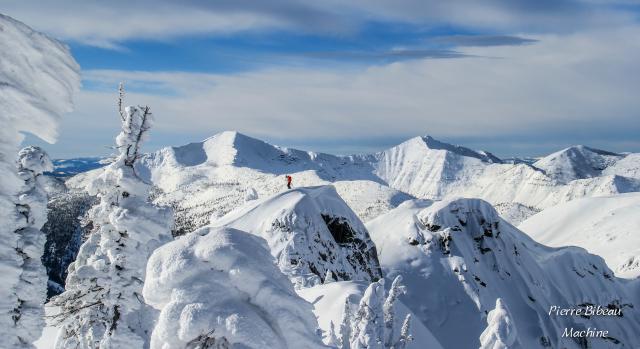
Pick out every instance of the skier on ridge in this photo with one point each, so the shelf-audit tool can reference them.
(289, 179)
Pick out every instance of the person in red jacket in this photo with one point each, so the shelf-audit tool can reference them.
(289, 182)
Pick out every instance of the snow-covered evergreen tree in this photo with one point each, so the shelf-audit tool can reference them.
(368, 324)
(38, 77)
(31, 289)
(345, 326)
(332, 339)
(103, 304)
(405, 334)
(500, 332)
(374, 325)
(389, 310)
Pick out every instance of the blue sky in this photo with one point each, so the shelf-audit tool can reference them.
(513, 77)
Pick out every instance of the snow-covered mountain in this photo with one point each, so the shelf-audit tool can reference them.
(606, 226)
(312, 233)
(457, 257)
(212, 177)
(429, 169)
(577, 162)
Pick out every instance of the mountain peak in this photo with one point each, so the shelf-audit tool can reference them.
(434, 144)
(577, 162)
(310, 231)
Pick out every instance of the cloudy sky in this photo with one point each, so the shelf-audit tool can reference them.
(515, 77)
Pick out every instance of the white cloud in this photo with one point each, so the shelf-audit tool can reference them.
(109, 23)
(577, 85)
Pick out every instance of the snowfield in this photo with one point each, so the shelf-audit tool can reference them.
(607, 226)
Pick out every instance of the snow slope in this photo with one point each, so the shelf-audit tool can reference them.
(427, 168)
(607, 226)
(328, 304)
(629, 166)
(310, 231)
(457, 257)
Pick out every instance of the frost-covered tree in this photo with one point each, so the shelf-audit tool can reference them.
(332, 340)
(500, 332)
(374, 325)
(345, 326)
(405, 334)
(368, 324)
(389, 310)
(103, 306)
(31, 289)
(38, 77)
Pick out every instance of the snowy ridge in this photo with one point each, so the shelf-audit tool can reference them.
(212, 177)
(311, 232)
(606, 226)
(474, 257)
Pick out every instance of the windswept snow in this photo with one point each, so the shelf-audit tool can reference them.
(457, 257)
(310, 231)
(38, 77)
(606, 226)
(220, 285)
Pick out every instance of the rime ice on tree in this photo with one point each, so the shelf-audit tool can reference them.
(38, 77)
(373, 326)
(103, 305)
(500, 332)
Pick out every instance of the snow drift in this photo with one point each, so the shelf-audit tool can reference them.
(220, 285)
(311, 232)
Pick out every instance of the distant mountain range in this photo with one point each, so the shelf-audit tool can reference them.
(442, 216)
